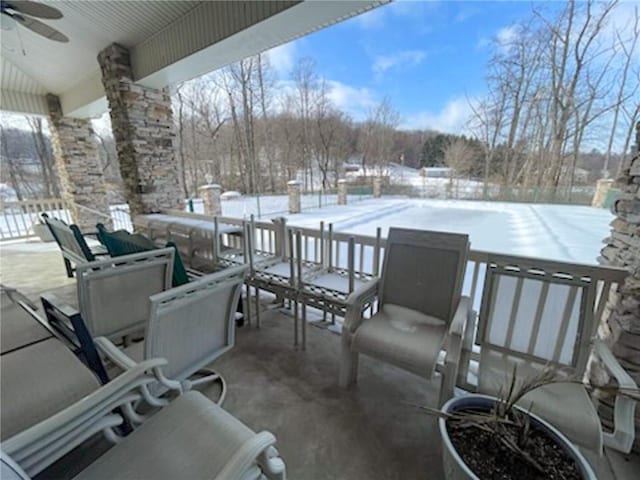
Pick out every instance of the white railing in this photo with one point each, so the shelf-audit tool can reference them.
(18, 218)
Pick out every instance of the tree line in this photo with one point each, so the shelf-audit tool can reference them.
(558, 83)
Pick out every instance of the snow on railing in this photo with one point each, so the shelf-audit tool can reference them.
(18, 218)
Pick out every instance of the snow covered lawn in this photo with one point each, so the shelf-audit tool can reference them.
(558, 232)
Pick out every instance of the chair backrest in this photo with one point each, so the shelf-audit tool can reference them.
(535, 316)
(121, 242)
(69, 238)
(194, 324)
(423, 271)
(114, 293)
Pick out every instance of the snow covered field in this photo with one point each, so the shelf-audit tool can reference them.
(560, 232)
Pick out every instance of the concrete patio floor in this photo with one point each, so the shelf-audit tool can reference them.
(371, 431)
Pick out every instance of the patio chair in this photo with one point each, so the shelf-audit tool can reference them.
(190, 438)
(121, 242)
(328, 288)
(20, 325)
(540, 317)
(420, 308)
(37, 381)
(72, 243)
(190, 326)
(113, 298)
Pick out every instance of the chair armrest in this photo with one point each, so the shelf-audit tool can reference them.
(42, 444)
(604, 353)
(113, 353)
(254, 451)
(623, 434)
(125, 362)
(461, 317)
(356, 302)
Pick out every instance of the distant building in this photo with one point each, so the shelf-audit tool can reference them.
(435, 172)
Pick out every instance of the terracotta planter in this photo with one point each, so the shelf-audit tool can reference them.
(456, 469)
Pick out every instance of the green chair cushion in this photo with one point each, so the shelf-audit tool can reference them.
(121, 242)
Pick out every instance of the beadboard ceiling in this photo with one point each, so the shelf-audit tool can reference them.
(170, 41)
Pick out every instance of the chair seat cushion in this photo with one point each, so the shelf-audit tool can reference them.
(17, 327)
(567, 406)
(402, 337)
(190, 438)
(38, 381)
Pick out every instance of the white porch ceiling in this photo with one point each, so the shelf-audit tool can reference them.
(170, 41)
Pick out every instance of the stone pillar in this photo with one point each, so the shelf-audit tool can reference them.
(294, 188)
(620, 326)
(342, 191)
(602, 188)
(377, 187)
(210, 195)
(79, 169)
(142, 124)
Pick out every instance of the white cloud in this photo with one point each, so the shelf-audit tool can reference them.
(356, 101)
(282, 58)
(506, 36)
(353, 100)
(453, 118)
(382, 63)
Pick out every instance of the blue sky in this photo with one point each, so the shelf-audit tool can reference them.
(426, 56)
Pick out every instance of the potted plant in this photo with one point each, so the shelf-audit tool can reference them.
(492, 437)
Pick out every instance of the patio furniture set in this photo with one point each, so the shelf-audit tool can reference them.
(413, 314)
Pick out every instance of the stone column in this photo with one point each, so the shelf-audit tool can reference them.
(210, 195)
(294, 188)
(79, 169)
(142, 124)
(342, 191)
(602, 188)
(377, 187)
(620, 326)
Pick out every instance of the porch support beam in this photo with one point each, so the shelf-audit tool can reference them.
(142, 125)
(79, 168)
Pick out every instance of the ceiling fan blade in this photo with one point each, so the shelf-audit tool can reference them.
(35, 9)
(41, 28)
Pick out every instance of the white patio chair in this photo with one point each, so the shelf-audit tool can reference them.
(189, 438)
(37, 381)
(190, 326)
(420, 308)
(539, 317)
(113, 294)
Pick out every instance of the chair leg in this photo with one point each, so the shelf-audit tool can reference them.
(348, 367)
(67, 266)
(247, 309)
(257, 307)
(295, 323)
(304, 326)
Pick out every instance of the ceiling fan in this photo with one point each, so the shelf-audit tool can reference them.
(18, 12)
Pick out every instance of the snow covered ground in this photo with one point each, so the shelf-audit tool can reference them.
(560, 232)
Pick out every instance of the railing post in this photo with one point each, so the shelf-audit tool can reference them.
(342, 191)
(211, 198)
(377, 187)
(294, 188)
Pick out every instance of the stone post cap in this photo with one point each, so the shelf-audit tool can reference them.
(342, 180)
(605, 180)
(294, 182)
(211, 186)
